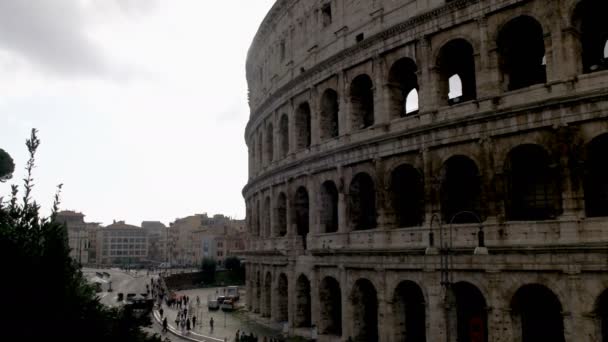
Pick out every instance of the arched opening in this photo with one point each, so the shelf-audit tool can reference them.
(411, 102)
(590, 21)
(266, 225)
(537, 314)
(329, 207)
(362, 195)
(468, 313)
(365, 311)
(330, 299)
(596, 177)
(403, 85)
(601, 311)
(284, 136)
(281, 212)
(362, 102)
(409, 313)
(258, 293)
(282, 299)
(267, 295)
(522, 48)
(303, 126)
(303, 311)
(329, 114)
(407, 194)
(456, 65)
(256, 226)
(460, 190)
(301, 206)
(260, 150)
(269, 144)
(532, 185)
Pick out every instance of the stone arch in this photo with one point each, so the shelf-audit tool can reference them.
(460, 189)
(589, 19)
(303, 126)
(521, 48)
(269, 142)
(601, 312)
(596, 177)
(456, 57)
(266, 310)
(329, 207)
(402, 83)
(329, 114)
(532, 185)
(362, 102)
(364, 301)
(281, 215)
(283, 136)
(258, 292)
(467, 316)
(330, 300)
(301, 213)
(303, 302)
(407, 195)
(362, 202)
(409, 313)
(537, 314)
(282, 299)
(266, 218)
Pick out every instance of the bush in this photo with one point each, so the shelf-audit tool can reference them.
(208, 267)
(232, 263)
(45, 296)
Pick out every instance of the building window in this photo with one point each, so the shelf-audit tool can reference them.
(456, 66)
(326, 13)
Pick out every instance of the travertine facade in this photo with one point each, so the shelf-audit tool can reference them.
(391, 141)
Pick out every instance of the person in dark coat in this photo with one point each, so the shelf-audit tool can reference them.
(165, 324)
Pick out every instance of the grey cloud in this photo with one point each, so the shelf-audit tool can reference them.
(51, 34)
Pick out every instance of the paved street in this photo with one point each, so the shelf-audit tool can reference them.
(225, 324)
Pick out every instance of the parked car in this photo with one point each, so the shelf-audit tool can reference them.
(212, 304)
(221, 299)
(232, 292)
(227, 305)
(120, 297)
(130, 297)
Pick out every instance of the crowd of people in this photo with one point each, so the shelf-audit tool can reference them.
(242, 336)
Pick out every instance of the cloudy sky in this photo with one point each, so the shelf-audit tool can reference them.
(141, 104)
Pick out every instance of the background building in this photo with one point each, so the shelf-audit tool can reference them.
(122, 244)
(78, 234)
(157, 240)
(430, 170)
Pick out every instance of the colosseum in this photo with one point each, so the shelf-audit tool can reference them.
(430, 170)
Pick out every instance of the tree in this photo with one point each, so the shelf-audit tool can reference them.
(45, 296)
(232, 263)
(208, 267)
(7, 166)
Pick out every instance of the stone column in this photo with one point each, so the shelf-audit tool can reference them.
(381, 194)
(315, 115)
(272, 213)
(428, 95)
(292, 128)
(347, 308)
(314, 298)
(500, 327)
(385, 319)
(436, 324)
(342, 214)
(291, 227)
(291, 297)
(345, 111)
(578, 325)
(381, 94)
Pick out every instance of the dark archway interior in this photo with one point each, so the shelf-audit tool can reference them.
(409, 313)
(329, 207)
(330, 299)
(269, 144)
(266, 222)
(590, 20)
(460, 190)
(303, 309)
(538, 313)
(301, 207)
(596, 177)
(362, 100)
(303, 135)
(522, 50)
(407, 190)
(602, 315)
(456, 58)
(281, 215)
(471, 313)
(284, 136)
(402, 80)
(532, 186)
(329, 114)
(283, 293)
(267, 295)
(258, 293)
(365, 311)
(362, 202)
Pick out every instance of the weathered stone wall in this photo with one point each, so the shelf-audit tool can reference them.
(518, 148)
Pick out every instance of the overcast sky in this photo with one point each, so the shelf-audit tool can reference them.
(141, 104)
